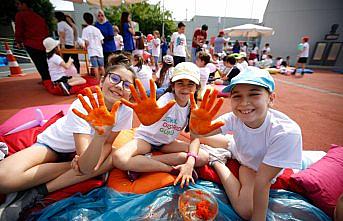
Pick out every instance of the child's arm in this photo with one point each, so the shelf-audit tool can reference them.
(62, 39)
(186, 169)
(102, 121)
(263, 179)
(68, 64)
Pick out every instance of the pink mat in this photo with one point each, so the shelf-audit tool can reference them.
(28, 114)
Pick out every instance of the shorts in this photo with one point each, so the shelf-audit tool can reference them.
(63, 79)
(302, 60)
(97, 61)
(61, 157)
(156, 147)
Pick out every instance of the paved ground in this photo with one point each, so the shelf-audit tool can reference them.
(315, 102)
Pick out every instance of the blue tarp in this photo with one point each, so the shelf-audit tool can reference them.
(107, 204)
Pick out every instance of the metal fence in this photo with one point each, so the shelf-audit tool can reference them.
(20, 54)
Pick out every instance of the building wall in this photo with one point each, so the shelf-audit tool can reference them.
(292, 19)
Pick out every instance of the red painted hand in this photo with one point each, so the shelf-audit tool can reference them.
(98, 115)
(201, 118)
(146, 107)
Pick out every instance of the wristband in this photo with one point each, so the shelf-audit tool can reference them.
(190, 154)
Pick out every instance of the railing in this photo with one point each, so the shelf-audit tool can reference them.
(19, 53)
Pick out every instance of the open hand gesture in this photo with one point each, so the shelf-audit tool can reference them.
(185, 175)
(146, 107)
(201, 118)
(98, 115)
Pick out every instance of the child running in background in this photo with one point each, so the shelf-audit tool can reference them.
(179, 157)
(164, 74)
(59, 70)
(264, 142)
(156, 48)
(93, 41)
(143, 72)
(45, 166)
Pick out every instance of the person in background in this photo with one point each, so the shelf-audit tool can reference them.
(30, 31)
(106, 29)
(178, 44)
(143, 72)
(156, 48)
(139, 44)
(230, 71)
(164, 74)
(303, 55)
(58, 68)
(66, 36)
(219, 43)
(202, 60)
(244, 48)
(118, 39)
(267, 48)
(236, 47)
(199, 38)
(72, 24)
(164, 47)
(253, 53)
(93, 41)
(127, 31)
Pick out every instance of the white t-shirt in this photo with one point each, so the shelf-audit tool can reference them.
(244, 65)
(204, 75)
(179, 44)
(167, 77)
(277, 142)
(59, 136)
(306, 48)
(94, 38)
(267, 49)
(144, 75)
(168, 128)
(63, 26)
(55, 69)
(118, 40)
(156, 49)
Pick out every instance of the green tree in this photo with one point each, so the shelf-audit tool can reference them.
(149, 17)
(44, 8)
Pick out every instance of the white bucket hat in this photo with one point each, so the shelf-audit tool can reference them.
(186, 70)
(50, 44)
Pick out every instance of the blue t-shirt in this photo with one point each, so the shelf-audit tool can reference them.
(108, 33)
(127, 38)
(164, 47)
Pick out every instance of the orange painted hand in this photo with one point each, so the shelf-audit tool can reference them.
(146, 108)
(98, 116)
(201, 118)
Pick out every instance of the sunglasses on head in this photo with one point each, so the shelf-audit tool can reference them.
(116, 79)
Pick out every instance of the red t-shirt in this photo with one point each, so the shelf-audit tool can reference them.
(30, 29)
(200, 36)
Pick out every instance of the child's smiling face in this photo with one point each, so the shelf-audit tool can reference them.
(183, 88)
(250, 103)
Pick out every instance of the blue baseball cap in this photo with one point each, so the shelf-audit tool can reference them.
(254, 76)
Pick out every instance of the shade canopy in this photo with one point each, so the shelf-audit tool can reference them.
(249, 30)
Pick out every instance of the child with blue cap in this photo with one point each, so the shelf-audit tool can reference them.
(264, 141)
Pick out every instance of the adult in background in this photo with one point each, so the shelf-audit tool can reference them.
(30, 31)
(199, 38)
(236, 47)
(219, 43)
(127, 31)
(304, 49)
(66, 35)
(106, 29)
(72, 24)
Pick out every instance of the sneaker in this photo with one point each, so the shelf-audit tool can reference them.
(3, 150)
(216, 154)
(65, 88)
(132, 175)
(18, 202)
(176, 172)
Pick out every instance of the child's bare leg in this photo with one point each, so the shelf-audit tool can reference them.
(28, 168)
(101, 71)
(217, 141)
(96, 73)
(71, 177)
(76, 80)
(240, 192)
(130, 157)
(176, 154)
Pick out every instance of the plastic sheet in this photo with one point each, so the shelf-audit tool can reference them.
(107, 204)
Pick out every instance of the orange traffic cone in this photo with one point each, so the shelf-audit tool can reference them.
(12, 63)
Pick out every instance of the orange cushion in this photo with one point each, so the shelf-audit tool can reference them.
(147, 182)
